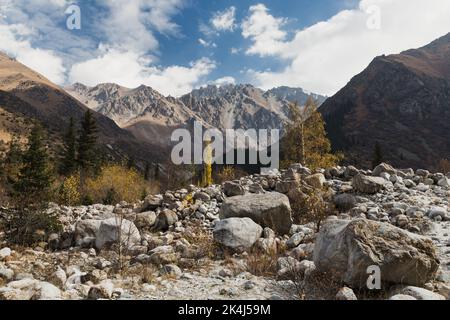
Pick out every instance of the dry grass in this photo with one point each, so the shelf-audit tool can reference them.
(263, 264)
(203, 240)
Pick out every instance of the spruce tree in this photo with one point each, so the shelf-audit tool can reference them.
(13, 160)
(35, 177)
(69, 163)
(147, 171)
(377, 155)
(87, 144)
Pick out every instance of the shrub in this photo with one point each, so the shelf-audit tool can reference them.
(312, 207)
(114, 184)
(69, 192)
(262, 263)
(444, 166)
(29, 226)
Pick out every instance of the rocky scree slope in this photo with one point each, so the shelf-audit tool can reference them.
(207, 243)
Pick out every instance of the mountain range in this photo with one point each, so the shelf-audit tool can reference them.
(401, 102)
(152, 117)
(26, 95)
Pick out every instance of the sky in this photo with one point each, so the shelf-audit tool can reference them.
(176, 46)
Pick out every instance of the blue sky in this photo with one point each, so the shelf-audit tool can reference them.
(177, 45)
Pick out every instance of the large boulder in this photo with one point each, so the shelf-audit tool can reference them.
(232, 189)
(316, 180)
(152, 203)
(270, 210)
(86, 232)
(383, 168)
(369, 185)
(345, 249)
(237, 233)
(165, 219)
(111, 230)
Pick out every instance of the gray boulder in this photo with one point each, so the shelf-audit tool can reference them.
(237, 233)
(232, 189)
(165, 219)
(145, 219)
(418, 293)
(346, 249)
(152, 203)
(86, 232)
(383, 168)
(111, 230)
(369, 185)
(270, 210)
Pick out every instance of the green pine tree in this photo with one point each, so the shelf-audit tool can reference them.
(147, 171)
(69, 163)
(87, 143)
(35, 177)
(377, 155)
(13, 160)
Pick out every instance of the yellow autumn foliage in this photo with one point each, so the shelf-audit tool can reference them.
(116, 183)
(69, 193)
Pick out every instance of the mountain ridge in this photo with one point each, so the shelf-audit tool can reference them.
(401, 102)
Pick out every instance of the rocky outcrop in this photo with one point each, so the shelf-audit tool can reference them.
(346, 249)
(270, 210)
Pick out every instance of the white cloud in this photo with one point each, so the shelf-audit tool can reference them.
(126, 55)
(131, 70)
(224, 81)
(234, 50)
(224, 20)
(131, 24)
(324, 57)
(264, 30)
(13, 42)
(207, 44)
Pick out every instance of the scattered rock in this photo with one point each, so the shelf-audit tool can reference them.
(316, 180)
(271, 210)
(346, 293)
(232, 189)
(5, 253)
(369, 185)
(418, 293)
(145, 219)
(103, 290)
(383, 168)
(237, 233)
(165, 219)
(115, 229)
(347, 248)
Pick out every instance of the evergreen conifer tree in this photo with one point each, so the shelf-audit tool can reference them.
(69, 163)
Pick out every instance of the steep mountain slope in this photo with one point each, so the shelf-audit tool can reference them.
(237, 107)
(400, 101)
(125, 105)
(28, 94)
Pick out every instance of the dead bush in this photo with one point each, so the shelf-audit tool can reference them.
(312, 206)
(263, 263)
